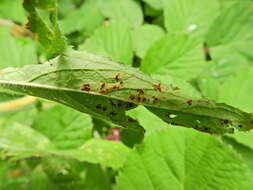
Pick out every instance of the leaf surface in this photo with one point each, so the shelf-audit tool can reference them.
(105, 89)
(175, 159)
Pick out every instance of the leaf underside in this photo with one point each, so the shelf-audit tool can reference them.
(106, 89)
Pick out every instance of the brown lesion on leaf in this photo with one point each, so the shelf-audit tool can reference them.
(102, 85)
(140, 91)
(189, 102)
(226, 122)
(100, 107)
(157, 87)
(114, 87)
(85, 87)
(130, 105)
(117, 77)
(132, 97)
(155, 99)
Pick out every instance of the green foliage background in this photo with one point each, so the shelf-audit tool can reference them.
(202, 46)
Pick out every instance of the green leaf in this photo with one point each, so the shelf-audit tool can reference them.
(175, 159)
(50, 37)
(244, 138)
(235, 91)
(12, 10)
(177, 55)
(16, 51)
(97, 151)
(190, 16)
(144, 36)
(229, 59)
(94, 174)
(106, 89)
(87, 18)
(243, 150)
(147, 119)
(233, 24)
(22, 177)
(127, 10)
(156, 4)
(23, 142)
(112, 40)
(70, 128)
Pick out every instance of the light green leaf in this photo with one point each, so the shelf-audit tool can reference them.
(236, 90)
(144, 36)
(112, 40)
(23, 141)
(12, 10)
(70, 128)
(244, 138)
(149, 121)
(175, 159)
(228, 59)
(233, 24)
(16, 51)
(127, 10)
(190, 16)
(177, 55)
(245, 152)
(106, 89)
(107, 153)
(87, 18)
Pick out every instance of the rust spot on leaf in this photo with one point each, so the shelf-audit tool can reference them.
(103, 92)
(155, 99)
(85, 87)
(102, 85)
(98, 106)
(157, 87)
(132, 97)
(189, 102)
(117, 77)
(140, 91)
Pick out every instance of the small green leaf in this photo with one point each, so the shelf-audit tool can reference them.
(12, 10)
(175, 159)
(23, 141)
(244, 138)
(107, 153)
(190, 16)
(70, 128)
(87, 18)
(233, 24)
(144, 36)
(147, 119)
(112, 40)
(177, 55)
(17, 51)
(127, 10)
